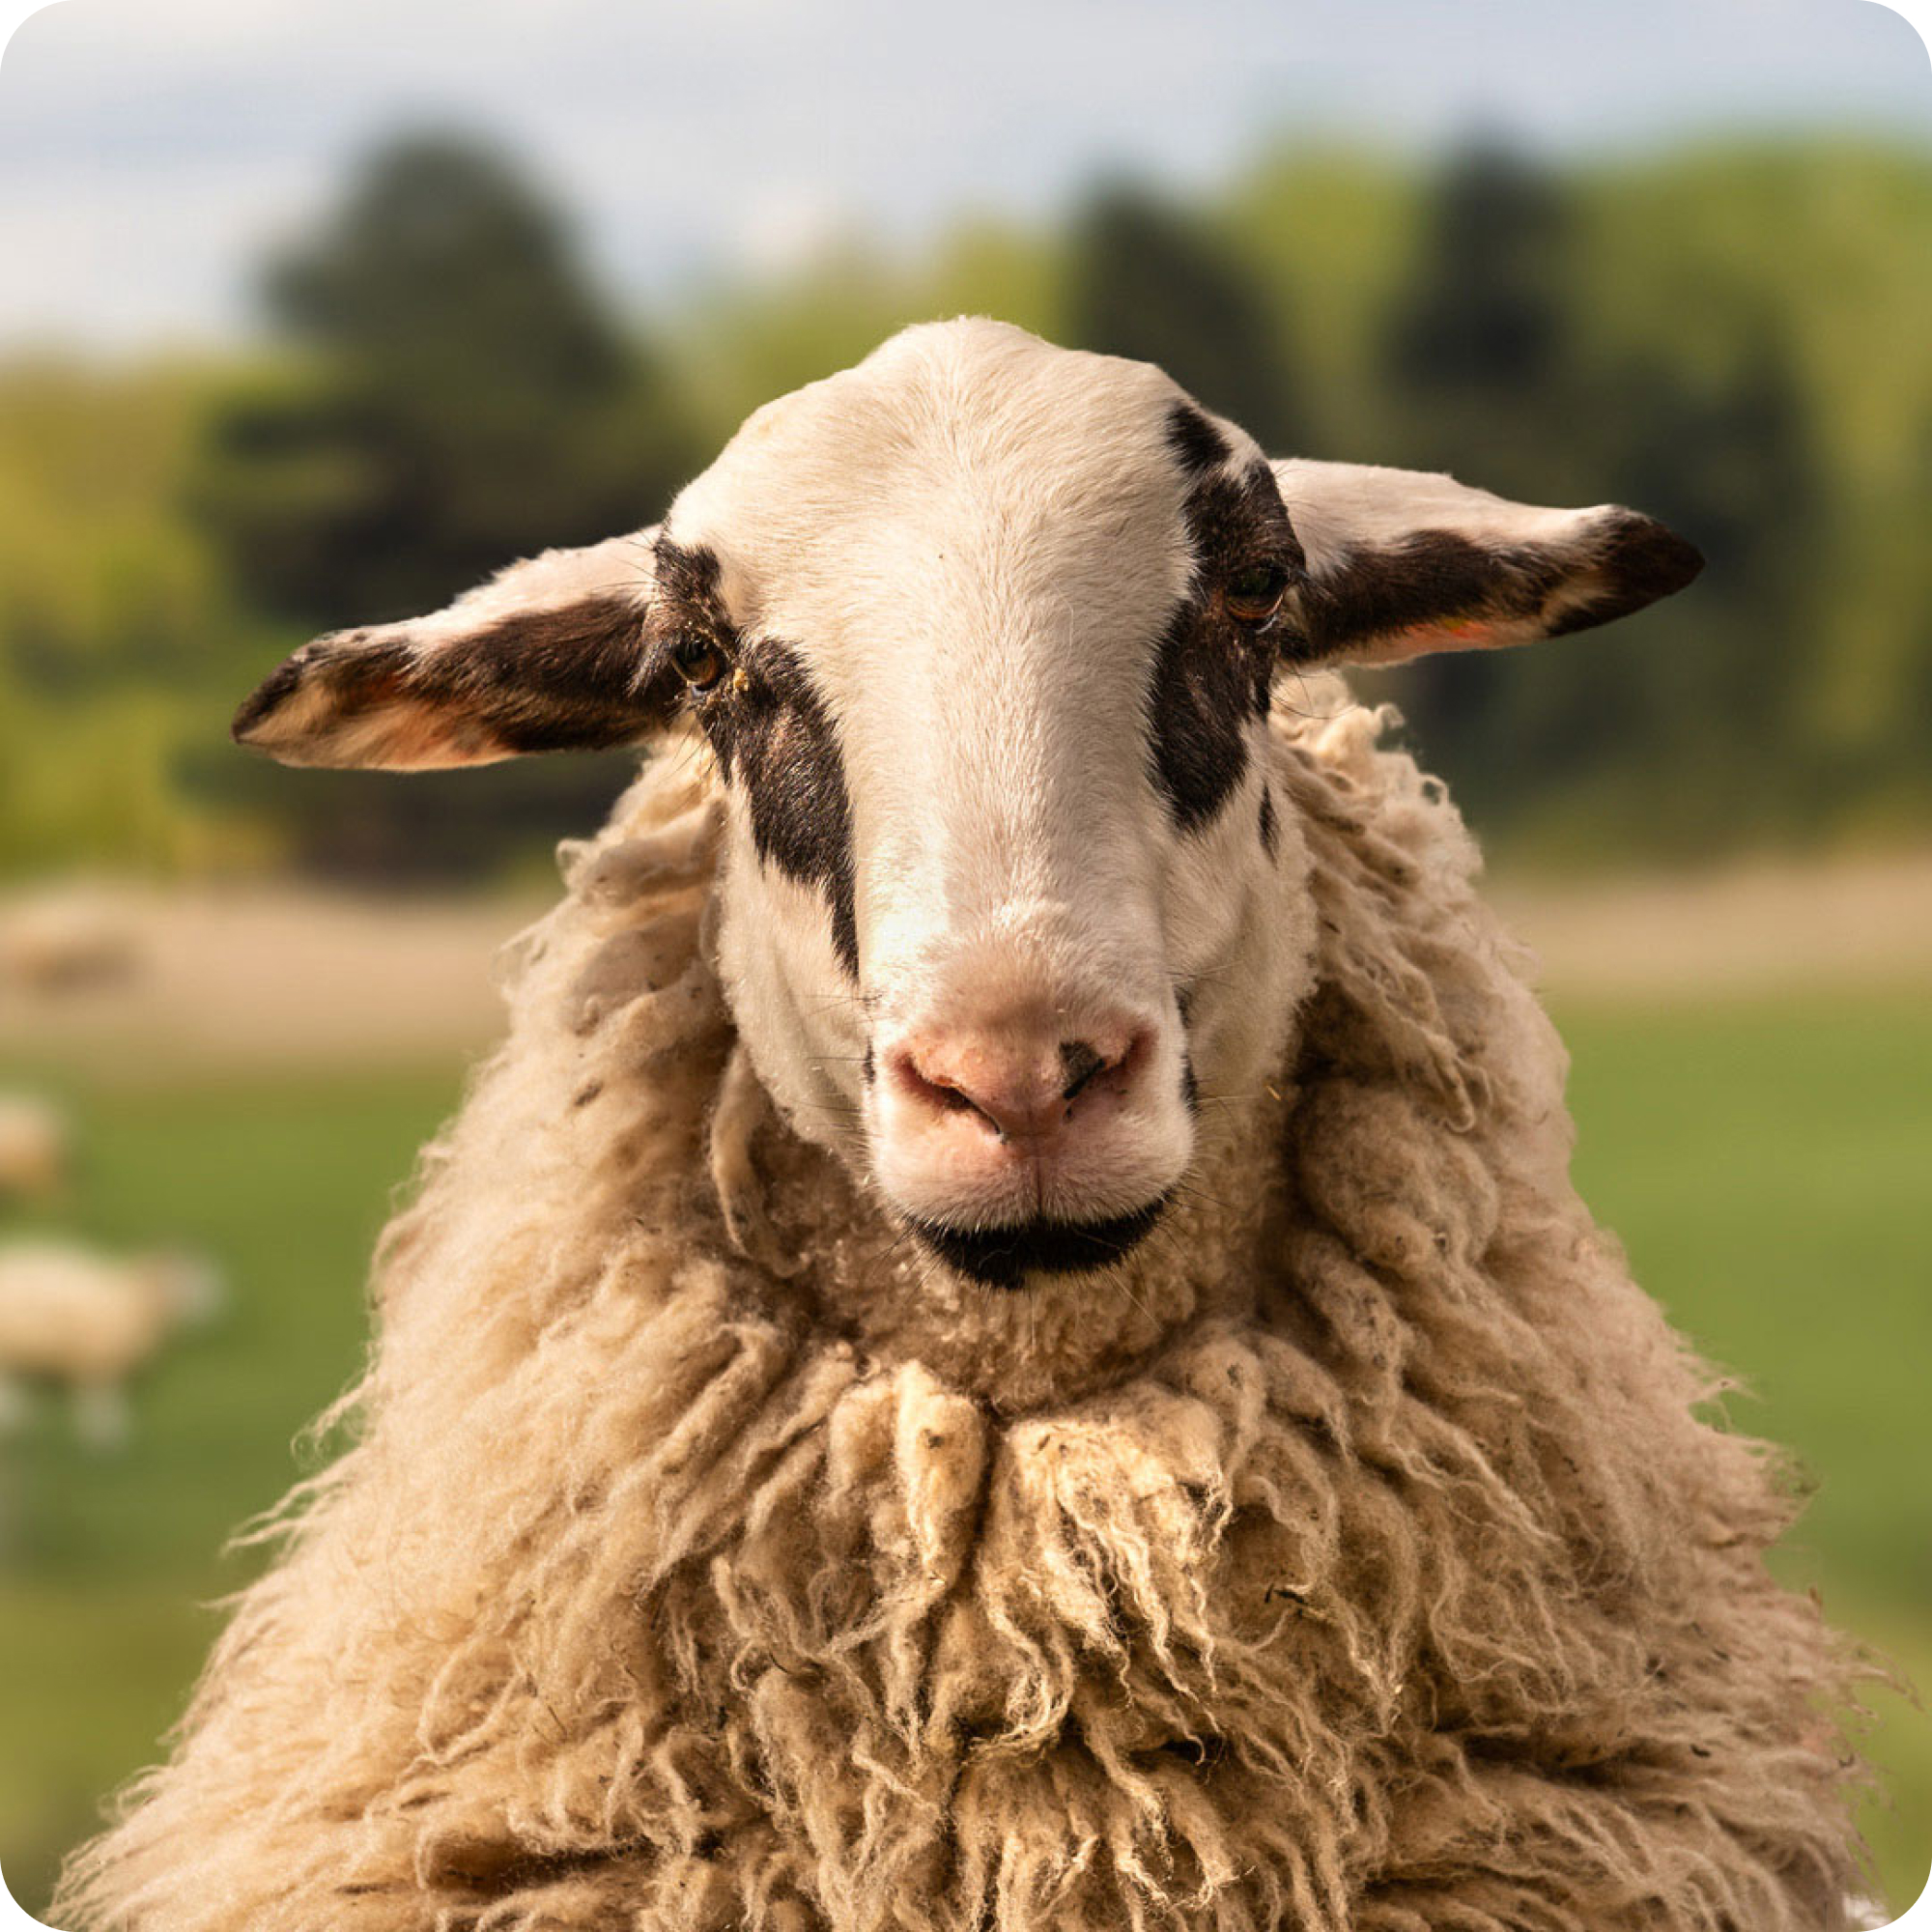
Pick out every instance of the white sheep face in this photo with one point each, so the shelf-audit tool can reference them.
(982, 633)
(986, 924)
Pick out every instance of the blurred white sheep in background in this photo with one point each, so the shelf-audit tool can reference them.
(36, 1145)
(66, 938)
(74, 1314)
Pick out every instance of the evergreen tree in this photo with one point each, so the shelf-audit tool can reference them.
(464, 398)
(1688, 722)
(1147, 281)
(459, 397)
(1479, 341)
(1704, 713)
(1479, 372)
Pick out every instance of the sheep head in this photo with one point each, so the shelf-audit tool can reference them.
(983, 636)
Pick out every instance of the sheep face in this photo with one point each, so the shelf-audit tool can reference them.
(983, 636)
(1004, 892)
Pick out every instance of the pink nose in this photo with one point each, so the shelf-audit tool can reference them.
(1021, 1084)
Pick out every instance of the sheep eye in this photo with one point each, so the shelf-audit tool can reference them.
(1254, 595)
(697, 660)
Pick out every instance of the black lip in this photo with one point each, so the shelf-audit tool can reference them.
(1003, 1257)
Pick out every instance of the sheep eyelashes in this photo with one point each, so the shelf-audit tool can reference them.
(783, 1501)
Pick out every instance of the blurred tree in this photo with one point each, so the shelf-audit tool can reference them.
(1689, 729)
(1479, 341)
(1727, 337)
(1146, 280)
(1479, 364)
(117, 626)
(1734, 463)
(466, 399)
(462, 398)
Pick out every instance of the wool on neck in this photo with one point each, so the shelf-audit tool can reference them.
(1370, 1559)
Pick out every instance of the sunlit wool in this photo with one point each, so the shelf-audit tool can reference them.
(1363, 1556)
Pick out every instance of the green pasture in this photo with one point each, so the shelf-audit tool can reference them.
(1765, 1163)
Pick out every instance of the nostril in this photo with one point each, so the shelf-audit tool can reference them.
(1021, 1084)
(936, 1090)
(1078, 1062)
(1083, 1063)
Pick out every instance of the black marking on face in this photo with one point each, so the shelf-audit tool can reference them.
(1190, 1085)
(585, 676)
(1003, 1256)
(687, 576)
(1195, 440)
(1270, 833)
(774, 739)
(1212, 673)
(690, 616)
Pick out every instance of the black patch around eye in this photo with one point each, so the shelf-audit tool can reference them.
(687, 576)
(1269, 833)
(1211, 672)
(774, 739)
(1195, 440)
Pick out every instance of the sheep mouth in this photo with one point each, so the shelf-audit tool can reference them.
(1003, 1256)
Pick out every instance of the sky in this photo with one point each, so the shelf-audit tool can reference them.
(149, 154)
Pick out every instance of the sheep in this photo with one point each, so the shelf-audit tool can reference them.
(67, 940)
(92, 1320)
(34, 1147)
(1006, 1343)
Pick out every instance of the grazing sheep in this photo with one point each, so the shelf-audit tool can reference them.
(35, 1145)
(1006, 1343)
(68, 939)
(90, 1321)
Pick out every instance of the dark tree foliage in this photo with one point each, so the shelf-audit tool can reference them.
(1484, 364)
(1148, 281)
(1714, 686)
(462, 397)
(1483, 327)
(443, 267)
(1479, 371)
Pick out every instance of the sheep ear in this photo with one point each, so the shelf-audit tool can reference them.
(1400, 563)
(551, 655)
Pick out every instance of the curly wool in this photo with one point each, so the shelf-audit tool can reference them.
(1367, 1561)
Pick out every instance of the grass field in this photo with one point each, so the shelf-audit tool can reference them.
(1765, 1162)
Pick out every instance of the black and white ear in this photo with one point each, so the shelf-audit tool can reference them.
(1400, 563)
(551, 655)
